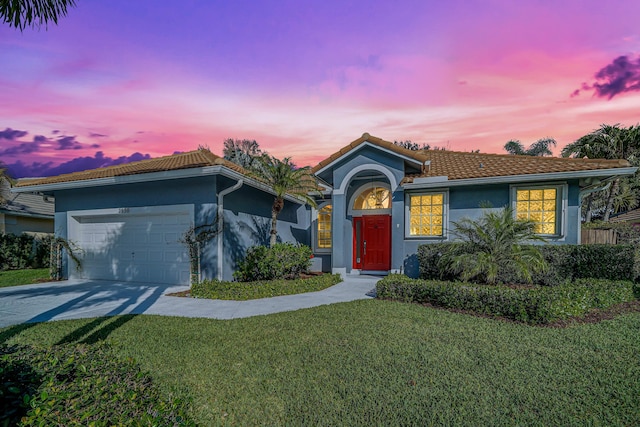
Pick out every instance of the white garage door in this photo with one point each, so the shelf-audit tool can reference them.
(138, 247)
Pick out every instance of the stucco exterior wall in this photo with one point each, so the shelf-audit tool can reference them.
(247, 213)
(13, 224)
(464, 202)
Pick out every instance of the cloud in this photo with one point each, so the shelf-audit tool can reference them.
(68, 143)
(97, 135)
(20, 169)
(620, 76)
(12, 134)
(24, 148)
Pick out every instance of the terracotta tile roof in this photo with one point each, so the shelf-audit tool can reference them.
(461, 165)
(458, 165)
(191, 159)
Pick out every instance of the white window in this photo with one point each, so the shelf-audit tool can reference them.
(426, 214)
(542, 204)
(323, 227)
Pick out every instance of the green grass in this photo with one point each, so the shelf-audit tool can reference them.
(242, 291)
(23, 277)
(376, 362)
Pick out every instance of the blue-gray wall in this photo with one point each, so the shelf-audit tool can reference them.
(247, 212)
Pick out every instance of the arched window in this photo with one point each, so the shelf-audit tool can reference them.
(323, 232)
(373, 198)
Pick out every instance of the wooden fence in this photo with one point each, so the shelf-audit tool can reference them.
(592, 236)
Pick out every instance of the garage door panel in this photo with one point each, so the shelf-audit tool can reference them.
(135, 247)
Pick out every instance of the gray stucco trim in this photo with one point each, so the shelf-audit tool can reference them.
(367, 166)
(516, 179)
(364, 145)
(562, 210)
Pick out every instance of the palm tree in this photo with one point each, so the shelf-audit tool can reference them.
(607, 142)
(23, 13)
(284, 178)
(494, 247)
(538, 148)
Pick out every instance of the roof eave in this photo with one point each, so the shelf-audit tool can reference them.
(150, 177)
(510, 179)
(26, 214)
(361, 146)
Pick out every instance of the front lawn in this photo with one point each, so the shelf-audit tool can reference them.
(23, 277)
(242, 291)
(376, 362)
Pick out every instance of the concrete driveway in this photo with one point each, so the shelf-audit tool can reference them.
(76, 299)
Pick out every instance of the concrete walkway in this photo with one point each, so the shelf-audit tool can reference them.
(76, 299)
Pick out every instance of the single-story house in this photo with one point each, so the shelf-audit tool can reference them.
(378, 203)
(24, 212)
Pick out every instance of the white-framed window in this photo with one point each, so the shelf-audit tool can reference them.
(373, 198)
(543, 204)
(426, 214)
(322, 228)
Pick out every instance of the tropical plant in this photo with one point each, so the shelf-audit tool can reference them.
(538, 148)
(284, 178)
(58, 244)
(610, 142)
(194, 239)
(23, 13)
(493, 248)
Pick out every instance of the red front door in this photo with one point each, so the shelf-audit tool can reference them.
(372, 242)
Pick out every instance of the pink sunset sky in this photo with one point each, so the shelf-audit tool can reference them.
(121, 80)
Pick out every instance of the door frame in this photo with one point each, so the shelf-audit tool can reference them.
(358, 237)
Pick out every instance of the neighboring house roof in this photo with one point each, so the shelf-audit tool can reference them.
(33, 205)
(461, 165)
(632, 216)
(188, 160)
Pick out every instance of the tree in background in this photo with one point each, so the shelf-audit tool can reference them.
(410, 145)
(4, 178)
(22, 13)
(414, 146)
(610, 142)
(538, 148)
(243, 152)
(284, 178)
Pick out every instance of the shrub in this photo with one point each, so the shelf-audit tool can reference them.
(565, 263)
(79, 385)
(614, 262)
(282, 261)
(23, 251)
(531, 305)
(495, 248)
(241, 291)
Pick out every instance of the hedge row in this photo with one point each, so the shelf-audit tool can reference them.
(23, 251)
(566, 263)
(535, 305)
(80, 385)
